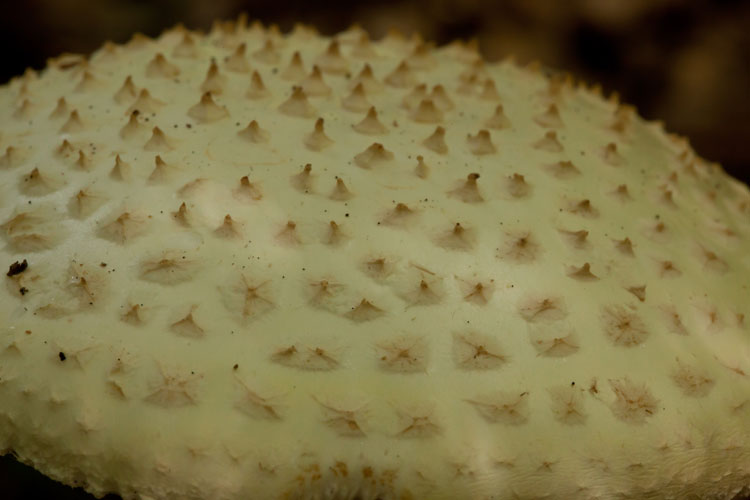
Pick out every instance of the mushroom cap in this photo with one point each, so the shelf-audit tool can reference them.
(506, 287)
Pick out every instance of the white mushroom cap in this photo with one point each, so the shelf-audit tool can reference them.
(335, 268)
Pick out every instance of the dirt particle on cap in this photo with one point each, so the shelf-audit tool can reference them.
(17, 268)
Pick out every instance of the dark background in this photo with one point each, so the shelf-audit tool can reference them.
(684, 62)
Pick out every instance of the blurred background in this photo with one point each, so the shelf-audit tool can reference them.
(684, 62)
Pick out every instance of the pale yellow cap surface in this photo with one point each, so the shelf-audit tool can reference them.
(264, 265)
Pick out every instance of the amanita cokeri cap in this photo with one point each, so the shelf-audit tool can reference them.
(250, 264)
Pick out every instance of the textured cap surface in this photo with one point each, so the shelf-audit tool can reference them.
(260, 265)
